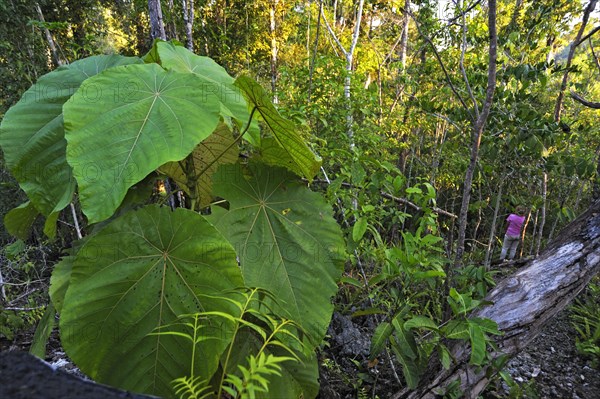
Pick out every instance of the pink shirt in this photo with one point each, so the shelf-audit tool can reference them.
(514, 224)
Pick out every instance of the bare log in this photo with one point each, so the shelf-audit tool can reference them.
(23, 376)
(525, 301)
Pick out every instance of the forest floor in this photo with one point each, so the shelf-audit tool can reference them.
(550, 367)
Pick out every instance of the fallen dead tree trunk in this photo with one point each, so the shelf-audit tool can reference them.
(23, 376)
(525, 301)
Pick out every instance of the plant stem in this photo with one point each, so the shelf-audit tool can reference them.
(235, 331)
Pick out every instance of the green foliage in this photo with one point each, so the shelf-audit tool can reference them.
(288, 149)
(475, 329)
(273, 220)
(585, 316)
(146, 271)
(233, 106)
(19, 220)
(168, 114)
(254, 378)
(519, 391)
(129, 281)
(248, 314)
(411, 137)
(10, 323)
(32, 134)
(42, 332)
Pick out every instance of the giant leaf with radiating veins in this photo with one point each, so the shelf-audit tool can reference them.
(286, 239)
(233, 104)
(139, 274)
(32, 133)
(126, 122)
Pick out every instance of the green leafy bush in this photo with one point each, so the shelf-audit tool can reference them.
(585, 316)
(99, 133)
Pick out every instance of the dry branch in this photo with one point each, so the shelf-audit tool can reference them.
(583, 101)
(399, 200)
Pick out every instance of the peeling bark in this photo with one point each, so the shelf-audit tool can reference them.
(524, 302)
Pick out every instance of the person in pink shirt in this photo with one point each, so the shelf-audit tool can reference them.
(513, 233)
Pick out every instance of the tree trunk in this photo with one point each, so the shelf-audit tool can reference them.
(349, 70)
(524, 302)
(49, 39)
(188, 21)
(349, 55)
(404, 40)
(533, 233)
(171, 28)
(477, 131)
(314, 56)
(157, 27)
(523, 232)
(489, 250)
(561, 94)
(274, 49)
(542, 214)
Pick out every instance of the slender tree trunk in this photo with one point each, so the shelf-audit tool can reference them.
(172, 29)
(542, 213)
(523, 231)
(274, 48)
(157, 27)
(335, 3)
(561, 94)
(49, 39)
(524, 303)
(561, 205)
(477, 131)
(489, 250)
(349, 70)
(404, 40)
(188, 21)
(534, 232)
(349, 55)
(314, 56)
(479, 215)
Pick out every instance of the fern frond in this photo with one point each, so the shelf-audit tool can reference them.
(191, 388)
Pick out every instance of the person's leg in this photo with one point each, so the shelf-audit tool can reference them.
(514, 243)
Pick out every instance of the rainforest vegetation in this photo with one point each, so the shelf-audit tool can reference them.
(298, 199)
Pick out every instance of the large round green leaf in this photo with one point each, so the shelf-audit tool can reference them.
(234, 105)
(32, 134)
(126, 122)
(133, 278)
(286, 238)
